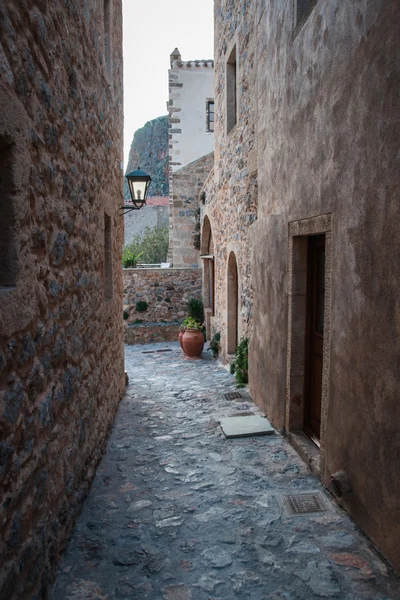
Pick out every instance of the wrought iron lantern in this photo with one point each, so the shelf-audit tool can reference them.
(139, 183)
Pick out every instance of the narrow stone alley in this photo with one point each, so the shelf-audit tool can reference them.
(179, 512)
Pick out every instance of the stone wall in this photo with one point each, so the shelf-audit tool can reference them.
(151, 333)
(325, 109)
(231, 189)
(185, 211)
(166, 292)
(61, 334)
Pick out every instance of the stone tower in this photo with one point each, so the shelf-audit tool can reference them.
(191, 139)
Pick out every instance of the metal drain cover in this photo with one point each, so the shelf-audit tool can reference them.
(302, 504)
(232, 396)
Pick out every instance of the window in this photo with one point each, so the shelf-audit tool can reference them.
(107, 36)
(231, 92)
(302, 9)
(108, 283)
(8, 251)
(210, 115)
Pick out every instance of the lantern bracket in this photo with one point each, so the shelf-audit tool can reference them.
(138, 183)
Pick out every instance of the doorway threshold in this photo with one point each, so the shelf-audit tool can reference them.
(307, 449)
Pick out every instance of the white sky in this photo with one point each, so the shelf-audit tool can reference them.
(152, 29)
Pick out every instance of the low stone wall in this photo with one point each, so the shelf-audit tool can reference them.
(150, 333)
(166, 292)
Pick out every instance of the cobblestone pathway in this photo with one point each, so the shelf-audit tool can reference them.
(178, 512)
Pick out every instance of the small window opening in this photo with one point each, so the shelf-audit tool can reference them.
(108, 283)
(8, 249)
(107, 37)
(231, 91)
(210, 115)
(302, 10)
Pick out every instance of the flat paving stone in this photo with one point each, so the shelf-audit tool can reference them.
(177, 511)
(239, 426)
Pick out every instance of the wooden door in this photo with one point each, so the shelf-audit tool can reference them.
(315, 336)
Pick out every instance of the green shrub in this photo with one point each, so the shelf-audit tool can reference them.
(152, 247)
(195, 308)
(214, 344)
(126, 314)
(141, 306)
(240, 366)
(130, 257)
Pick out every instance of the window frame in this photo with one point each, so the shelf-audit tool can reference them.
(231, 87)
(210, 101)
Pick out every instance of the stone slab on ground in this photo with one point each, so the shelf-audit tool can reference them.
(246, 426)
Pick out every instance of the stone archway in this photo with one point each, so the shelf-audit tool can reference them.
(232, 304)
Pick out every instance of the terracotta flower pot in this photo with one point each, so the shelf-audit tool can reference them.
(193, 342)
(180, 336)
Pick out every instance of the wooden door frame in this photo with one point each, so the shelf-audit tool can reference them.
(310, 293)
(298, 233)
(208, 273)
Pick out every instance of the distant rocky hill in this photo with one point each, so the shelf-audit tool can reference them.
(149, 151)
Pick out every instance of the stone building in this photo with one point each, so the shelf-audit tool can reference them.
(300, 237)
(231, 189)
(61, 352)
(191, 142)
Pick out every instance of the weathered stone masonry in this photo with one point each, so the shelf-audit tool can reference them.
(317, 111)
(166, 292)
(328, 107)
(185, 211)
(61, 354)
(231, 189)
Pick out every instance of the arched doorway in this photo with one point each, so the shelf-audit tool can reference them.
(232, 303)
(207, 255)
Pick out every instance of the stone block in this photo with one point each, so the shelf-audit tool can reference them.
(234, 427)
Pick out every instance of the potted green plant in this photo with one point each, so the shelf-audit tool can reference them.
(193, 338)
(195, 309)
